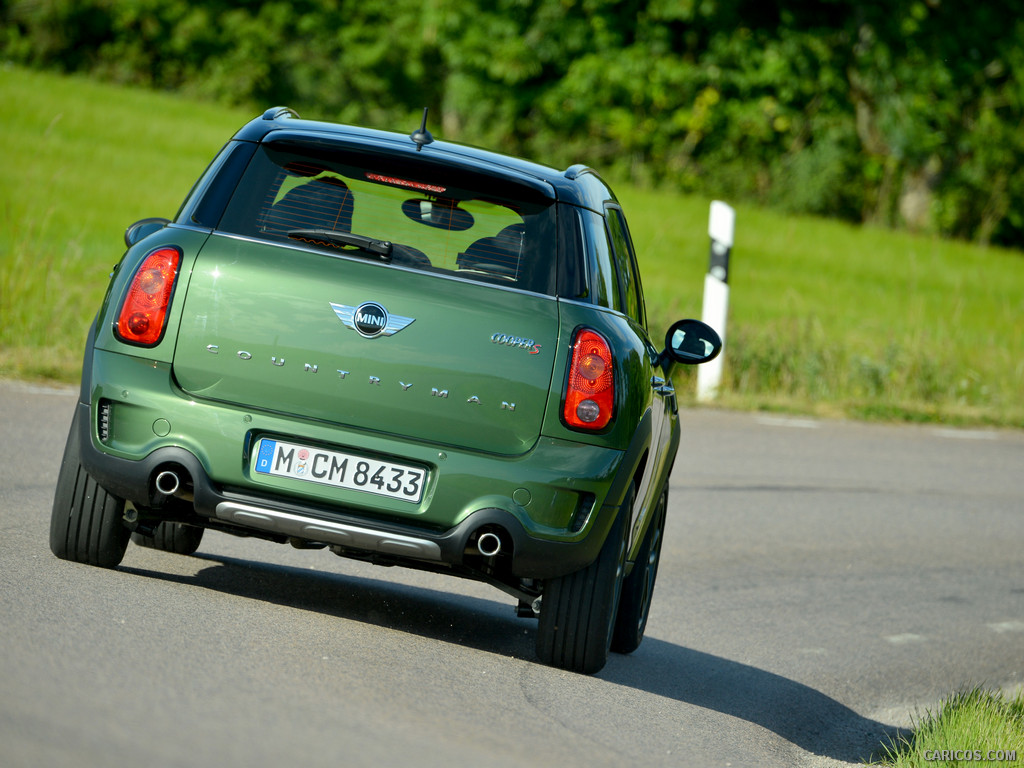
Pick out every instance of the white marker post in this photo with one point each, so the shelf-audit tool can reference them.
(721, 224)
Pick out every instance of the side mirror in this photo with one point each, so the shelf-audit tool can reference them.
(691, 342)
(143, 228)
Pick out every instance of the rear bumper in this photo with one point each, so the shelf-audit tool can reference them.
(551, 523)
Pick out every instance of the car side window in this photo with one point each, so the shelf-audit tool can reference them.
(205, 203)
(625, 262)
(600, 264)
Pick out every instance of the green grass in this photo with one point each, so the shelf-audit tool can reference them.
(976, 726)
(825, 318)
(832, 319)
(82, 161)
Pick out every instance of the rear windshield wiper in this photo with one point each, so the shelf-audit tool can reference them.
(380, 249)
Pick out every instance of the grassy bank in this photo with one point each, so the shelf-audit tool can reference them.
(824, 318)
(831, 319)
(81, 162)
(975, 726)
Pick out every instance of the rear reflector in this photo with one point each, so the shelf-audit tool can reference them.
(590, 388)
(103, 421)
(143, 316)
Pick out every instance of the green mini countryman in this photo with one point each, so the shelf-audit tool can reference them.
(407, 351)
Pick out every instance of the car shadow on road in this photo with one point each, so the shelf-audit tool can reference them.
(487, 625)
(798, 713)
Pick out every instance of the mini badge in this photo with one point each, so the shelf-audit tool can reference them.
(370, 319)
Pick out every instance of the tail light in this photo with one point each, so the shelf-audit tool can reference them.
(143, 316)
(590, 387)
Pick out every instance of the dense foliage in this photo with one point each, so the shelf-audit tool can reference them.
(904, 112)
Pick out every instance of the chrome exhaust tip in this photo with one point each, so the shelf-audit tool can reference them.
(488, 544)
(168, 483)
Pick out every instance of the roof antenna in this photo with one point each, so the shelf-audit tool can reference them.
(422, 137)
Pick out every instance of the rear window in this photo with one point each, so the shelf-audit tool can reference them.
(438, 218)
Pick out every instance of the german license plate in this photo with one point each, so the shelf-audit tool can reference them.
(340, 470)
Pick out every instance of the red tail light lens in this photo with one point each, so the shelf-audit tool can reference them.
(590, 389)
(143, 315)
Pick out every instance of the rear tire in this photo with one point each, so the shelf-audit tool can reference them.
(578, 611)
(87, 523)
(177, 538)
(638, 587)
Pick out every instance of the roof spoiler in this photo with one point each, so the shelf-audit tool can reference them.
(275, 112)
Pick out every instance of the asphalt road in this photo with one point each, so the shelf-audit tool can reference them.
(822, 583)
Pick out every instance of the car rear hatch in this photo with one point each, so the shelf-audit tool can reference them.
(382, 289)
(366, 345)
